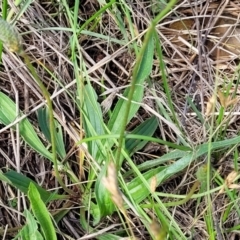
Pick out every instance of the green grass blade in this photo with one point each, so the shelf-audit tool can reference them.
(147, 128)
(142, 137)
(43, 120)
(103, 197)
(175, 154)
(182, 163)
(93, 119)
(41, 213)
(164, 172)
(199, 114)
(96, 15)
(143, 70)
(22, 183)
(27, 132)
(138, 190)
(22, 10)
(164, 79)
(4, 9)
(4, 16)
(109, 236)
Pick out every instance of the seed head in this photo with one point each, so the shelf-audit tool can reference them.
(10, 37)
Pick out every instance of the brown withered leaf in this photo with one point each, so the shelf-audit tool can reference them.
(229, 182)
(226, 101)
(229, 37)
(182, 25)
(153, 183)
(210, 105)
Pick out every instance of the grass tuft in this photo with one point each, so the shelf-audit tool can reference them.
(119, 119)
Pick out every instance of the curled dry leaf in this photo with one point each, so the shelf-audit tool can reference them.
(210, 105)
(153, 184)
(231, 177)
(234, 186)
(80, 155)
(226, 100)
(107, 103)
(229, 182)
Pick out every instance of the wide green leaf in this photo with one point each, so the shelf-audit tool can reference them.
(27, 132)
(103, 197)
(137, 189)
(22, 183)
(41, 213)
(30, 230)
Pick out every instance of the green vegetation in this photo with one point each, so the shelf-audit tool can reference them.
(102, 135)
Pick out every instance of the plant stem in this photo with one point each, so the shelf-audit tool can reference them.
(51, 120)
(149, 34)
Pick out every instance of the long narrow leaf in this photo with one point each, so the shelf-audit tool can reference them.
(27, 132)
(43, 120)
(162, 173)
(103, 197)
(116, 120)
(30, 230)
(22, 183)
(41, 213)
(93, 119)
(147, 128)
